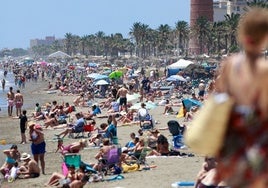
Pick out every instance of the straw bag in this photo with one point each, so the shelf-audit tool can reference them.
(207, 131)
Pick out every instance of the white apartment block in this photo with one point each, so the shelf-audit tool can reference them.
(223, 7)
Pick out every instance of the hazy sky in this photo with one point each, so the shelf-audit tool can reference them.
(22, 20)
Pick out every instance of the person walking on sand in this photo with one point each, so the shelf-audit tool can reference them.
(18, 99)
(3, 84)
(38, 145)
(122, 94)
(23, 126)
(10, 101)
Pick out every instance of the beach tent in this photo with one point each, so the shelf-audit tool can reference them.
(59, 54)
(181, 64)
(178, 66)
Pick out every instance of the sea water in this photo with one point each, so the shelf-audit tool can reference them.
(10, 82)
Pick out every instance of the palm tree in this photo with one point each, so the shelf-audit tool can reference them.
(163, 36)
(257, 3)
(182, 31)
(231, 22)
(139, 33)
(83, 42)
(68, 42)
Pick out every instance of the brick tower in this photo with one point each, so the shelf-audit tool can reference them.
(199, 8)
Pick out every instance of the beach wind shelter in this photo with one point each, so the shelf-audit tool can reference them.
(59, 54)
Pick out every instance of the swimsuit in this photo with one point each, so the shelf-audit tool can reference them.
(10, 160)
(19, 104)
(10, 102)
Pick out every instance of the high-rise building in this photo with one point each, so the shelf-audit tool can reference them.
(49, 40)
(199, 8)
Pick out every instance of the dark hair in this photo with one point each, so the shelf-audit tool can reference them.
(162, 139)
(14, 146)
(24, 112)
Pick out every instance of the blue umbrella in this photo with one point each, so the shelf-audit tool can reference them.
(97, 76)
(188, 103)
(92, 64)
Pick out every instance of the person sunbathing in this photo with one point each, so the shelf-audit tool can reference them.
(80, 100)
(74, 147)
(107, 102)
(95, 110)
(30, 168)
(206, 177)
(51, 121)
(103, 152)
(12, 156)
(58, 178)
(76, 128)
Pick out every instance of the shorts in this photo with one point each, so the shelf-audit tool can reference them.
(201, 93)
(18, 104)
(34, 175)
(123, 101)
(77, 129)
(38, 148)
(22, 129)
(10, 103)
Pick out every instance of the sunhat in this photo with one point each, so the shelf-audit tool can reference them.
(31, 123)
(123, 149)
(25, 156)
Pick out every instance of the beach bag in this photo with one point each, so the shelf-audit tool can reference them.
(207, 131)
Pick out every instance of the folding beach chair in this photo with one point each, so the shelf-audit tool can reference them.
(111, 160)
(177, 133)
(72, 159)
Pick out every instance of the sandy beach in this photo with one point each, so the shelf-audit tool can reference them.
(168, 170)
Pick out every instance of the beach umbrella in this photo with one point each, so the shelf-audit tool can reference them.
(93, 65)
(97, 76)
(101, 82)
(149, 106)
(175, 78)
(115, 74)
(43, 63)
(188, 103)
(132, 97)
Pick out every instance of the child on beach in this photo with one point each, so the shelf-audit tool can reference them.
(23, 126)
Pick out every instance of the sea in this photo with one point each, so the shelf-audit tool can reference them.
(10, 82)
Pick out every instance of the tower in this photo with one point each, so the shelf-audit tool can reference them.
(199, 8)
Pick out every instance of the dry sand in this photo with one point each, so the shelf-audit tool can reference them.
(168, 170)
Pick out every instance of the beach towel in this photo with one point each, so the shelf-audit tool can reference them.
(181, 113)
(206, 133)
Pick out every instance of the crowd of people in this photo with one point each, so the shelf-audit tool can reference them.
(114, 105)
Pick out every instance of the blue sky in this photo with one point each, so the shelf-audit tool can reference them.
(22, 20)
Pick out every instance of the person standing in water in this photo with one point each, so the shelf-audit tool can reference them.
(10, 101)
(18, 102)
